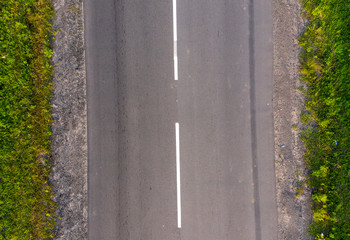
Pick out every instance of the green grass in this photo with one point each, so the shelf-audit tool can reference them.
(325, 67)
(26, 208)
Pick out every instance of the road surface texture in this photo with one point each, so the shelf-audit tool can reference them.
(222, 102)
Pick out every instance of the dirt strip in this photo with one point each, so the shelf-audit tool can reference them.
(69, 139)
(293, 197)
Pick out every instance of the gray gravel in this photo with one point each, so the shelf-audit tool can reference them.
(294, 212)
(69, 139)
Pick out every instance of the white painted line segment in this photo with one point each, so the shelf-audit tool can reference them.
(175, 41)
(174, 21)
(177, 134)
(176, 74)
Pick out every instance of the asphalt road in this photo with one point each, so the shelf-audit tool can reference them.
(222, 102)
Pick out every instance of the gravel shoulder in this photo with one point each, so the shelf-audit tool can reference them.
(293, 196)
(69, 138)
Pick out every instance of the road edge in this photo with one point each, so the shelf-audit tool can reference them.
(293, 196)
(69, 129)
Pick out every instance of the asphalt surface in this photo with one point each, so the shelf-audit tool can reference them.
(222, 102)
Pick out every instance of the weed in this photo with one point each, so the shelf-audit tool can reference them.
(26, 208)
(325, 70)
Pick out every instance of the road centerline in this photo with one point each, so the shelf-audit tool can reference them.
(177, 127)
(178, 185)
(175, 41)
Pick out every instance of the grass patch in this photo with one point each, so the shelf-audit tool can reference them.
(325, 68)
(26, 208)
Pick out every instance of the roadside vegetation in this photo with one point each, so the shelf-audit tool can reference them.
(325, 68)
(26, 208)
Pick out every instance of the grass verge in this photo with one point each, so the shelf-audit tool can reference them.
(26, 208)
(325, 68)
